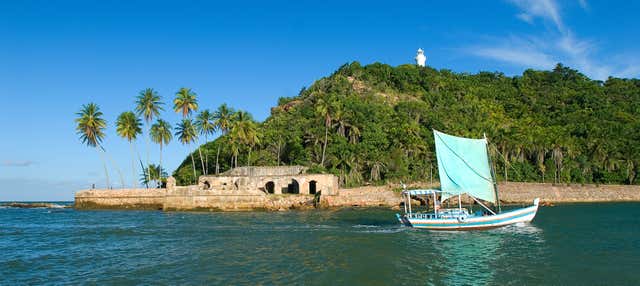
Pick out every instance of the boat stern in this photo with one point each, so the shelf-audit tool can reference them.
(403, 220)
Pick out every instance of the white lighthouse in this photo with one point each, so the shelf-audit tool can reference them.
(420, 58)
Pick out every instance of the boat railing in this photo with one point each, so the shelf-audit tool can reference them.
(422, 216)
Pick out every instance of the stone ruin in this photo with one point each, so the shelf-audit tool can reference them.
(271, 180)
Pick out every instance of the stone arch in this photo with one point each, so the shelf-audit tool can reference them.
(292, 188)
(206, 185)
(270, 187)
(313, 187)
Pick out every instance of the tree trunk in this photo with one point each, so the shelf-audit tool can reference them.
(324, 147)
(193, 164)
(506, 175)
(160, 164)
(117, 169)
(148, 147)
(104, 163)
(201, 159)
(249, 157)
(217, 160)
(133, 166)
(206, 157)
(279, 147)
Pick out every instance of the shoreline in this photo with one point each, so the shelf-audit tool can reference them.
(193, 199)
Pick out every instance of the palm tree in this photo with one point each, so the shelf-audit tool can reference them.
(186, 133)
(90, 126)
(185, 102)
(223, 118)
(155, 172)
(323, 108)
(205, 126)
(245, 132)
(161, 135)
(148, 105)
(128, 126)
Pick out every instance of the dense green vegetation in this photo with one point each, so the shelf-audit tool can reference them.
(371, 124)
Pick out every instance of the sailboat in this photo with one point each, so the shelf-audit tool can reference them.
(465, 168)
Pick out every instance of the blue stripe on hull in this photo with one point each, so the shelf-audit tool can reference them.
(471, 224)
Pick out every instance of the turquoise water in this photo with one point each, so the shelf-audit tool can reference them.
(594, 244)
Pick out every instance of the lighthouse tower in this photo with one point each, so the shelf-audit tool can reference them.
(420, 58)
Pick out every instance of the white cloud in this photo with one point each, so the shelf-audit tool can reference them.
(554, 46)
(525, 17)
(583, 4)
(22, 163)
(518, 51)
(546, 9)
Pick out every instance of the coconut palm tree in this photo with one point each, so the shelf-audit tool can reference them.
(128, 126)
(90, 126)
(323, 108)
(155, 172)
(205, 126)
(148, 105)
(245, 131)
(223, 118)
(185, 102)
(161, 135)
(186, 133)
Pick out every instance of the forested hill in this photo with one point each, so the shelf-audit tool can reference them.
(551, 126)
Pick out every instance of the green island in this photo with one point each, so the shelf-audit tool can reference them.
(351, 139)
(372, 124)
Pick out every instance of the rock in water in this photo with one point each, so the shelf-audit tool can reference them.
(35, 205)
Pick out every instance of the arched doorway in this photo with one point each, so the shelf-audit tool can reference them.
(292, 188)
(312, 187)
(270, 187)
(207, 186)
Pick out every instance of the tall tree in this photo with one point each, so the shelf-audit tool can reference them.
(90, 126)
(323, 108)
(186, 133)
(161, 135)
(223, 118)
(245, 131)
(185, 102)
(205, 125)
(148, 105)
(128, 126)
(155, 172)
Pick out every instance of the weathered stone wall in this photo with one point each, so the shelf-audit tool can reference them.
(194, 198)
(120, 199)
(365, 197)
(265, 171)
(276, 184)
(526, 192)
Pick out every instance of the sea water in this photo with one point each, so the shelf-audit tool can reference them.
(577, 244)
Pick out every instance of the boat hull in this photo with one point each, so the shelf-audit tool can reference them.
(521, 215)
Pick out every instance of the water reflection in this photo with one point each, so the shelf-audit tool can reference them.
(469, 258)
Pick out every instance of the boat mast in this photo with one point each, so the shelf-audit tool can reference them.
(493, 173)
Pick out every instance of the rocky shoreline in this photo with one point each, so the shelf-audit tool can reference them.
(33, 205)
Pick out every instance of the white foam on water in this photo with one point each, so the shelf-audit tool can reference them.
(365, 226)
(383, 230)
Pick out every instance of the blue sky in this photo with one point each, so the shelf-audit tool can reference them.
(57, 55)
